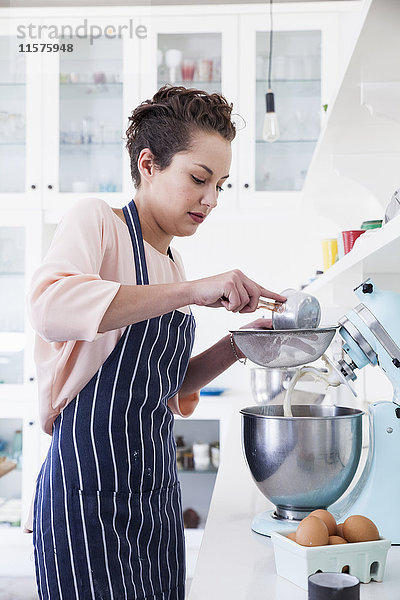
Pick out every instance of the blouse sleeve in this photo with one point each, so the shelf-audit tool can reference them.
(68, 298)
(184, 406)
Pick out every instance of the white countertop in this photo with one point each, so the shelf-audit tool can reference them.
(236, 563)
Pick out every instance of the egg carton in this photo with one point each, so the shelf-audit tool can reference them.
(366, 560)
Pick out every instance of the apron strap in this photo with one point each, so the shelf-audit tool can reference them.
(135, 230)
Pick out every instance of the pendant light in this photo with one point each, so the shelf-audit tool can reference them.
(271, 127)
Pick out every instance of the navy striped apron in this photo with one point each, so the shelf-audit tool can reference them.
(107, 511)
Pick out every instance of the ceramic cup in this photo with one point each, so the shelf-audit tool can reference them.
(349, 237)
(332, 586)
(329, 252)
(201, 456)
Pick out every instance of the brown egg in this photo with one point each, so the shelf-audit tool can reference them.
(336, 539)
(312, 531)
(292, 536)
(339, 530)
(360, 529)
(327, 518)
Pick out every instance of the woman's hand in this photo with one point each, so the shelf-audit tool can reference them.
(232, 290)
(260, 323)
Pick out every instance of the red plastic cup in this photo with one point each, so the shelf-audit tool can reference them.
(349, 237)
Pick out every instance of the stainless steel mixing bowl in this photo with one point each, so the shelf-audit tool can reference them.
(303, 462)
(270, 385)
(266, 383)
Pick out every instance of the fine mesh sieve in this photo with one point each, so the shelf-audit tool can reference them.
(283, 348)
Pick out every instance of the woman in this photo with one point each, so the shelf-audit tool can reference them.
(110, 305)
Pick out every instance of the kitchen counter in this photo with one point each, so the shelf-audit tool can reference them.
(236, 563)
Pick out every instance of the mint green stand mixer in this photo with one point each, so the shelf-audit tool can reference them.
(371, 336)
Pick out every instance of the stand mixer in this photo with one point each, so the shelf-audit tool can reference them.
(371, 335)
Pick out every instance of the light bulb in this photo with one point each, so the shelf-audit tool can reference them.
(271, 127)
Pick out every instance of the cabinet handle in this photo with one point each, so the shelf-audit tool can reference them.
(33, 186)
(50, 187)
(246, 185)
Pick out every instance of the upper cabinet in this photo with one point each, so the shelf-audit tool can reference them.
(12, 117)
(90, 117)
(303, 72)
(194, 51)
(67, 94)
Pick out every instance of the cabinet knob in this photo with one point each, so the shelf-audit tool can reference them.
(31, 423)
(229, 185)
(49, 187)
(246, 185)
(33, 186)
(31, 379)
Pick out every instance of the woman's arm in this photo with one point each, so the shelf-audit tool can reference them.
(232, 290)
(135, 303)
(206, 366)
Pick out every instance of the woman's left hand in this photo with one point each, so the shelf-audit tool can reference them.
(260, 323)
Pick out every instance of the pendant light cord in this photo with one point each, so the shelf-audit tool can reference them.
(270, 45)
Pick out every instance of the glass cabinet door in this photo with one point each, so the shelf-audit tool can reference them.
(12, 304)
(190, 60)
(12, 117)
(90, 116)
(11, 433)
(296, 82)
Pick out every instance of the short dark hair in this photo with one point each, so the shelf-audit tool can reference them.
(166, 124)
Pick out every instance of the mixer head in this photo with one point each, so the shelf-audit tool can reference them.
(371, 334)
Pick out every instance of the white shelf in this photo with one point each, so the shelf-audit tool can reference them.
(375, 254)
(354, 170)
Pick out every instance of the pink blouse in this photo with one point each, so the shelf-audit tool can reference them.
(89, 258)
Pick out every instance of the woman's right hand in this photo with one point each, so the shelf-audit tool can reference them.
(232, 290)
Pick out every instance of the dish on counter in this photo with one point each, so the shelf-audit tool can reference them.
(212, 391)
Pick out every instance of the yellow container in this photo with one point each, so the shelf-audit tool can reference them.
(329, 252)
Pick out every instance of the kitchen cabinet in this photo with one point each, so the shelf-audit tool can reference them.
(20, 437)
(209, 424)
(73, 99)
(304, 70)
(303, 73)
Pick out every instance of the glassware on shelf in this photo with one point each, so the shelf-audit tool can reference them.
(188, 463)
(201, 456)
(180, 451)
(173, 59)
(106, 183)
(214, 448)
(16, 448)
(91, 117)
(80, 187)
(205, 69)
(188, 67)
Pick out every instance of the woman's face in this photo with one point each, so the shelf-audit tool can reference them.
(184, 194)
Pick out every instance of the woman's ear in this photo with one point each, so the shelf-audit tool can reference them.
(146, 164)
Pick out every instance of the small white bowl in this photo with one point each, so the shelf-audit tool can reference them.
(366, 560)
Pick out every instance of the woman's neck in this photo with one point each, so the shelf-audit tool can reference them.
(152, 232)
